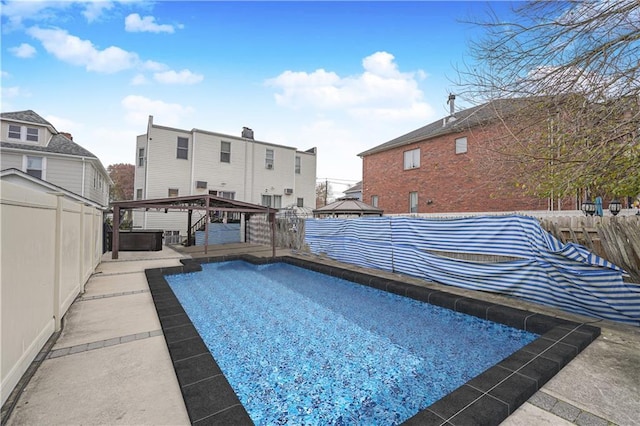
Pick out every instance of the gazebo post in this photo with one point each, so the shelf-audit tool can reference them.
(115, 239)
(189, 219)
(206, 228)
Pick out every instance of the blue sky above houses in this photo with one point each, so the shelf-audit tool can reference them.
(341, 76)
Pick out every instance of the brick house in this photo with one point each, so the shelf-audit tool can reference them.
(446, 166)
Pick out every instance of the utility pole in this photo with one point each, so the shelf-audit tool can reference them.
(326, 190)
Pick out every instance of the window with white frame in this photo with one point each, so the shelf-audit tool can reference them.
(15, 132)
(374, 200)
(35, 166)
(225, 152)
(266, 200)
(300, 202)
(268, 161)
(297, 164)
(277, 201)
(412, 159)
(413, 202)
(23, 133)
(229, 195)
(140, 157)
(461, 145)
(139, 194)
(33, 134)
(183, 148)
(173, 192)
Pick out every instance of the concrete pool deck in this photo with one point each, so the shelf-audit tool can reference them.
(110, 364)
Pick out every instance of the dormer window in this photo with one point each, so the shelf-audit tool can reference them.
(32, 134)
(14, 132)
(23, 133)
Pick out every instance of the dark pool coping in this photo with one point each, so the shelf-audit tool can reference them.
(487, 399)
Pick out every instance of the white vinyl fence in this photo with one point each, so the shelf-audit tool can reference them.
(50, 245)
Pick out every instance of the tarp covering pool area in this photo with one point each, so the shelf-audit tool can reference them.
(542, 269)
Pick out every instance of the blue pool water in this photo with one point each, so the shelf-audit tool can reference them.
(299, 347)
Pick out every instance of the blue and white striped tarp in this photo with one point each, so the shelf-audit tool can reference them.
(540, 267)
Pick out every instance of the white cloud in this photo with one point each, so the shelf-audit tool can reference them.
(181, 77)
(381, 90)
(11, 92)
(72, 49)
(4, 74)
(139, 80)
(154, 66)
(94, 9)
(64, 124)
(16, 12)
(134, 23)
(25, 50)
(138, 109)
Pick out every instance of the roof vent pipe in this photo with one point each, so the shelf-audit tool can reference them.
(451, 101)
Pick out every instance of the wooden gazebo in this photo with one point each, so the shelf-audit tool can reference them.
(189, 203)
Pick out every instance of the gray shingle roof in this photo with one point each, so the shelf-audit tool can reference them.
(28, 116)
(464, 120)
(348, 206)
(59, 144)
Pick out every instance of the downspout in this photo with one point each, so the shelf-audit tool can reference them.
(193, 161)
(84, 171)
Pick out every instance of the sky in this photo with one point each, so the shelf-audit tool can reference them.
(340, 76)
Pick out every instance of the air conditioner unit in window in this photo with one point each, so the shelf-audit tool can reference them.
(269, 166)
(288, 191)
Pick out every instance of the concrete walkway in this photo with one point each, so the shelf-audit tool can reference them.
(110, 364)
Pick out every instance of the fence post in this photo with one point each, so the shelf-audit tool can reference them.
(57, 278)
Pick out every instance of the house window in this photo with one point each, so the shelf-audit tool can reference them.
(35, 166)
(300, 202)
(461, 145)
(229, 195)
(274, 201)
(201, 184)
(412, 159)
(269, 159)
(225, 152)
(183, 148)
(14, 132)
(413, 202)
(140, 157)
(173, 192)
(17, 132)
(138, 194)
(297, 164)
(374, 200)
(32, 134)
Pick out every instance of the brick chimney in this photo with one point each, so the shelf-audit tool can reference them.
(67, 135)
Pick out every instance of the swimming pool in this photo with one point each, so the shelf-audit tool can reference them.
(486, 394)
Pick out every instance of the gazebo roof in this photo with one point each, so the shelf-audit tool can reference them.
(194, 202)
(348, 206)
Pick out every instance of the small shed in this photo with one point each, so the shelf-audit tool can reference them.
(347, 207)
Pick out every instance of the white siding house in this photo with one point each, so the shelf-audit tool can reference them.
(30, 143)
(174, 162)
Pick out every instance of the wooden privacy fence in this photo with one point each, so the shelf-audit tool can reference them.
(616, 239)
(289, 232)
